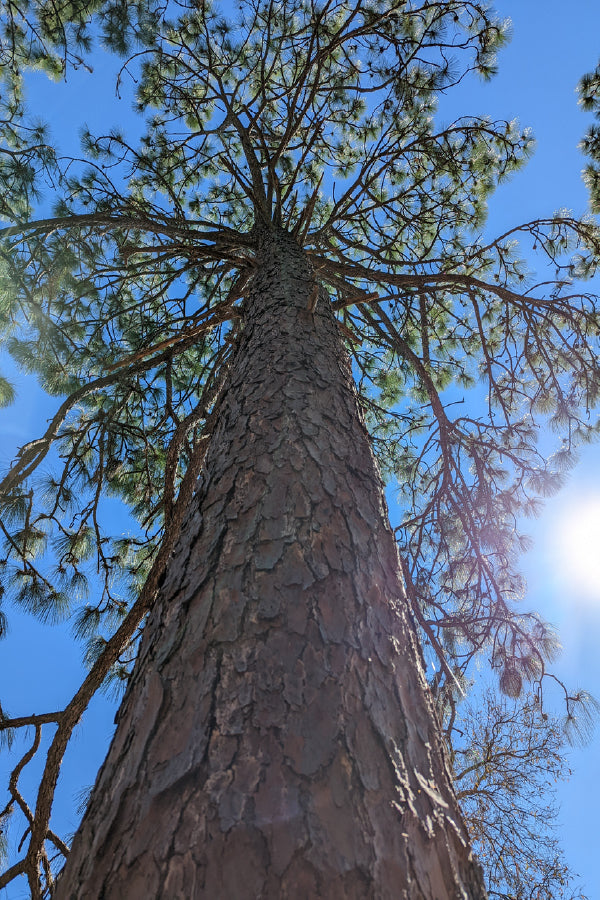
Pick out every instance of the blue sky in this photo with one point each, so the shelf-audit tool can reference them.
(553, 45)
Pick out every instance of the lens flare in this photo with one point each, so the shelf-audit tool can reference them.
(578, 548)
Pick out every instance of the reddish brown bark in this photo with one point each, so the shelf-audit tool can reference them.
(277, 739)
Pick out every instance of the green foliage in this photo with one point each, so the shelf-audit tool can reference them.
(54, 37)
(4, 821)
(589, 98)
(7, 392)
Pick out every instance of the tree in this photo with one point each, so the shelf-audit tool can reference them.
(54, 38)
(189, 300)
(506, 765)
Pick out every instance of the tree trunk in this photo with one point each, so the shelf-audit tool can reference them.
(277, 739)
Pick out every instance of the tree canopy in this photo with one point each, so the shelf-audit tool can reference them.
(127, 298)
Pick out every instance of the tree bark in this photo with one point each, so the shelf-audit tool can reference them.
(278, 739)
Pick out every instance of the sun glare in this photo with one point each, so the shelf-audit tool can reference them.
(578, 548)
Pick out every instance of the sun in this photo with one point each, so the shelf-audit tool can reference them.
(577, 546)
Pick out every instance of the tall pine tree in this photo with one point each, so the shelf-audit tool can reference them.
(283, 274)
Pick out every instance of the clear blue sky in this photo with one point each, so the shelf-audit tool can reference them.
(553, 45)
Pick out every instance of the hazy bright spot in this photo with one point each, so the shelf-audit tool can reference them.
(578, 548)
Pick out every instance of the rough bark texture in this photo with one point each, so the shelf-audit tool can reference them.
(278, 739)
